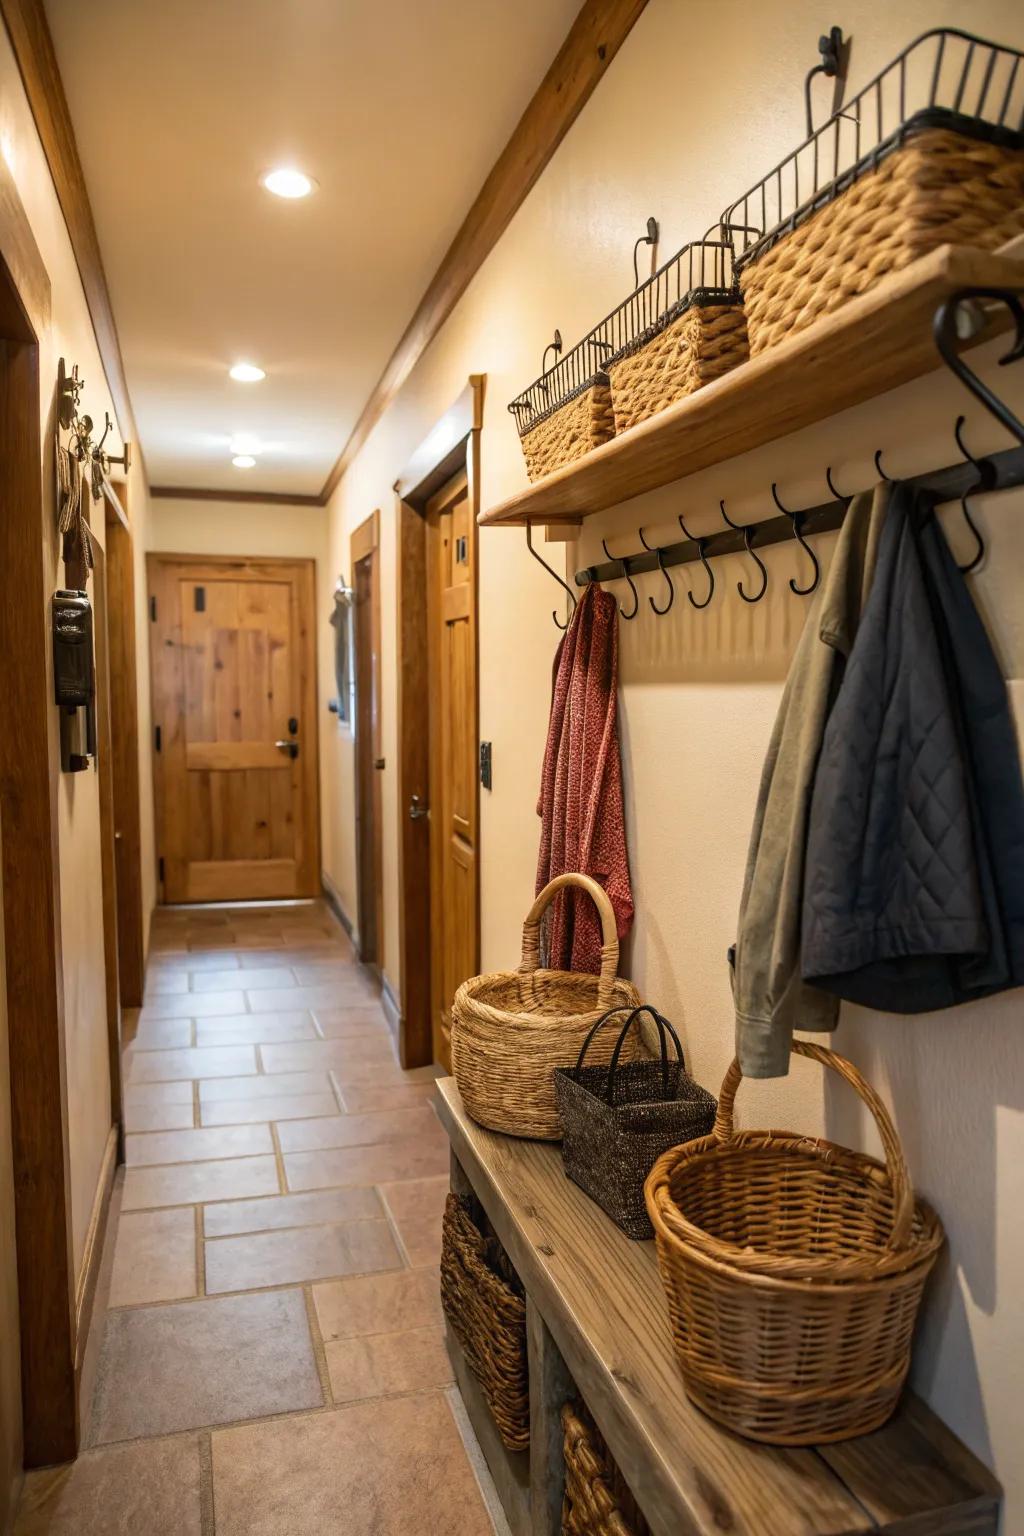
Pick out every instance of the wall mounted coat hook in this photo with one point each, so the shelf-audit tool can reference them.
(552, 572)
(948, 328)
(833, 53)
(664, 572)
(748, 544)
(632, 584)
(555, 346)
(700, 543)
(832, 485)
(878, 466)
(986, 480)
(650, 238)
(797, 519)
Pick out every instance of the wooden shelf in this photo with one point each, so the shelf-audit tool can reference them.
(871, 345)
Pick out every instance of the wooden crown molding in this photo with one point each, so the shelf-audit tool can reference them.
(33, 48)
(268, 498)
(593, 40)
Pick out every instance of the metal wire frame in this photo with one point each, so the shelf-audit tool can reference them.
(700, 273)
(945, 78)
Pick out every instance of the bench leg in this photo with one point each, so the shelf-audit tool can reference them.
(550, 1386)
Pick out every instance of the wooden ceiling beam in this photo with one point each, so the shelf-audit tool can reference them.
(592, 42)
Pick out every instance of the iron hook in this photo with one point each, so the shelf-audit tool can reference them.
(668, 578)
(632, 584)
(832, 485)
(955, 320)
(551, 572)
(700, 543)
(748, 545)
(797, 519)
(878, 465)
(984, 482)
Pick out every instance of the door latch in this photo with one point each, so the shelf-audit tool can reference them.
(290, 747)
(417, 810)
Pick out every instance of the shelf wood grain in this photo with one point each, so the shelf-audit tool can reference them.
(874, 343)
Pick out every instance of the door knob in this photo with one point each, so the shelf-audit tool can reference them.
(290, 747)
(417, 810)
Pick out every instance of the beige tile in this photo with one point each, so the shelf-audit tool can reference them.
(211, 1061)
(166, 979)
(348, 975)
(357, 1130)
(368, 1099)
(122, 1490)
(195, 1005)
(234, 1178)
(411, 1159)
(401, 1300)
(337, 1023)
(229, 981)
(174, 1092)
(307, 1476)
(199, 1145)
(388, 1362)
(154, 1257)
(323, 1208)
(356, 1051)
(297, 1254)
(416, 1208)
(329, 996)
(210, 1361)
(210, 960)
(161, 1034)
(266, 959)
(249, 1029)
(158, 1117)
(276, 1106)
(260, 1086)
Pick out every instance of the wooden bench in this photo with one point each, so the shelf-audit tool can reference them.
(597, 1323)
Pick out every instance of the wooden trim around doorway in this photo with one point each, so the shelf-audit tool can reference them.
(365, 545)
(124, 756)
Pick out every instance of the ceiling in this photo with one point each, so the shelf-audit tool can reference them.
(398, 108)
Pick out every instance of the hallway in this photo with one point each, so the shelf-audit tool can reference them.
(273, 1353)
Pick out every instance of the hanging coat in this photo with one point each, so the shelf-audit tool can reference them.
(582, 824)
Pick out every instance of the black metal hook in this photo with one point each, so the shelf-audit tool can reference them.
(948, 332)
(878, 466)
(986, 480)
(797, 519)
(832, 485)
(650, 238)
(632, 583)
(830, 46)
(668, 578)
(748, 545)
(700, 543)
(551, 572)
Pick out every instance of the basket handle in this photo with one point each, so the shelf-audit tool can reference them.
(609, 934)
(895, 1162)
(634, 1013)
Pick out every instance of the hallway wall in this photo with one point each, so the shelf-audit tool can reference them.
(701, 100)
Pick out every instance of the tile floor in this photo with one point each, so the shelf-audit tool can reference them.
(273, 1360)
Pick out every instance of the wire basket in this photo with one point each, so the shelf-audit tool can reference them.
(596, 1501)
(617, 1121)
(929, 153)
(566, 412)
(794, 1270)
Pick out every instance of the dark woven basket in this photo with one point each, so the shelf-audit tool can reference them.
(618, 1120)
(483, 1301)
(597, 1501)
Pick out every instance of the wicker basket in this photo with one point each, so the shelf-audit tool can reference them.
(597, 1501)
(566, 412)
(511, 1029)
(619, 1121)
(483, 1302)
(868, 194)
(793, 1270)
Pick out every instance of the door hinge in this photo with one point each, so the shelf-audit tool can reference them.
(461, 550)
(485, 764)
(160, 868)
(152, 610)
(199, 594)
(157, 738)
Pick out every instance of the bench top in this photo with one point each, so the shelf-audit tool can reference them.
(600, 1295)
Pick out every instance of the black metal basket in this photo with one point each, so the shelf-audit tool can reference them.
(619, 1120)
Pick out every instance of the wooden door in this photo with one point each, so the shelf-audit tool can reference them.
(234, 710)
(451, 642)
(369, 763)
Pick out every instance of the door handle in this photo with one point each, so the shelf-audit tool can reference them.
(417, 810)
(290, 747)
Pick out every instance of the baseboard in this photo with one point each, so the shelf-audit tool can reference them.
(392, 1008)
(333, 898)
(94, 1242)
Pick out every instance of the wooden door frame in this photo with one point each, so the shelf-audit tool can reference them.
(452, 446)
(29, 774)
(365, 545)
(166, 682)
(108, 866)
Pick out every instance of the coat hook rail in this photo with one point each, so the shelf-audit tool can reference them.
(949, 484)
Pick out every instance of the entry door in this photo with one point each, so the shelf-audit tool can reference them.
(234, 705)
(451, 619)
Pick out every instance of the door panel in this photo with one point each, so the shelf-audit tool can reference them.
(237, 812)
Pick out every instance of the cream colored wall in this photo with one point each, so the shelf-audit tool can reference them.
(70, 335)
(701, 100)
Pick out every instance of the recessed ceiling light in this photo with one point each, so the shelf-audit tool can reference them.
(285, 181)
(245, 443)
(246, 373)
(243, 461)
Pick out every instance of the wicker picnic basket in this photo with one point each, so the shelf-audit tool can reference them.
(484, 1303)
(511, 1029)
(566, 412)
(618, 1121)
(682, 328)
(930, 153)
(596, 1501)
(793, 1270)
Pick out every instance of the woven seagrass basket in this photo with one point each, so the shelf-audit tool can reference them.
(597, 1501)
(566, 412)
(794, 1270)
(868, 194)
(483, 1302)
(511, 1029)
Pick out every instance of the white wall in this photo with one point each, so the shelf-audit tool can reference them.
(701, 100)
